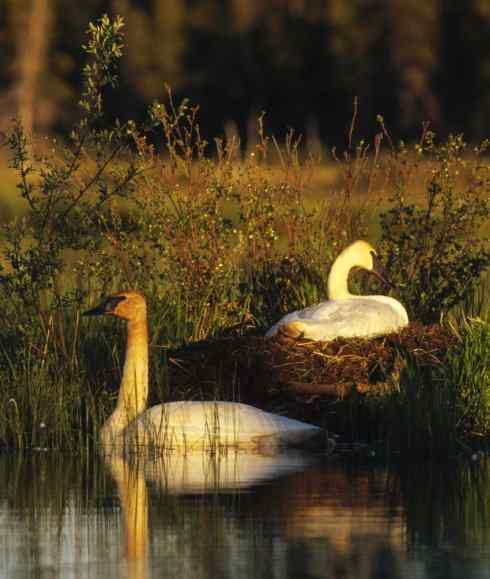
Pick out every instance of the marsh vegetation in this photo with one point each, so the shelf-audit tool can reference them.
(222, 245)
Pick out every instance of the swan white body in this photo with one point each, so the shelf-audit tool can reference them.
(188, 425)
(346, 315)
(195, 425)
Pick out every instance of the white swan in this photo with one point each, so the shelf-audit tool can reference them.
(189, 425)
(345, 315)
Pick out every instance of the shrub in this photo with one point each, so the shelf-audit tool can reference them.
(434, 250)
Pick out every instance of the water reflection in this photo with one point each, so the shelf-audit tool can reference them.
(131, 486)
(177, 473)
(353, 517)
(241, 516)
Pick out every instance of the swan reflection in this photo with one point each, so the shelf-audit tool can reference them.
(176, 473)
(240, 517)
(329, 522)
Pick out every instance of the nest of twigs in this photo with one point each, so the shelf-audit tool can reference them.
(257, 370)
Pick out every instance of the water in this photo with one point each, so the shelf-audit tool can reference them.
(240, 516)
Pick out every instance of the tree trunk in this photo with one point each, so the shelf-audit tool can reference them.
(32, 47)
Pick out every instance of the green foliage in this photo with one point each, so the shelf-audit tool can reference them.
(67, 188)
(423, 413)
(434, 251)
(468, 372)
(438, 408)
(105, 47)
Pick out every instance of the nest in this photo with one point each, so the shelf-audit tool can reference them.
(258, 370)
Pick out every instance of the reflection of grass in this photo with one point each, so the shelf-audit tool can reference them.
(57, 504)
(450, 507)
(324, 518)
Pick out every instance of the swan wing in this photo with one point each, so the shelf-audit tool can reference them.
(198, 425)
(359, 316)
(316, 312)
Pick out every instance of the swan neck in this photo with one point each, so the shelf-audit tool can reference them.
(133, 391)
(338, 278)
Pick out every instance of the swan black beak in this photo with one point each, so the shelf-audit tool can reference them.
(106, 307)
(97, 311)
(381, 278)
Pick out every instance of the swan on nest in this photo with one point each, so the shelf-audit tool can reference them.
(345, 315)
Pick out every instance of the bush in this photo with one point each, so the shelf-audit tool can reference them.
(434, 250)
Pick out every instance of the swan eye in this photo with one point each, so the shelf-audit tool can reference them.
(112, 302)
(108, 306)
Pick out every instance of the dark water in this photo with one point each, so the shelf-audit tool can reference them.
(292, 516)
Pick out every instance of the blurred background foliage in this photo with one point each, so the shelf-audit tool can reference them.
(301, 61)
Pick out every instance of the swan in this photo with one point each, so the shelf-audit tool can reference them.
(345, 315)
(188, 425)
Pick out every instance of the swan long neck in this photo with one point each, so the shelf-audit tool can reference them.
(337, 283)
(133, 391)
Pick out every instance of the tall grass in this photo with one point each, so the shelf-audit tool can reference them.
(440, 407)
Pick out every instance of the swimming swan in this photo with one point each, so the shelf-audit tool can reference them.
(345, 315)
(189, 425)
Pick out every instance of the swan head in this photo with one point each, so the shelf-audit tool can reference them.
(128, 305)
(361, 254)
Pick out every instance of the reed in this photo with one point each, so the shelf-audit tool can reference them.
(441, 408)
